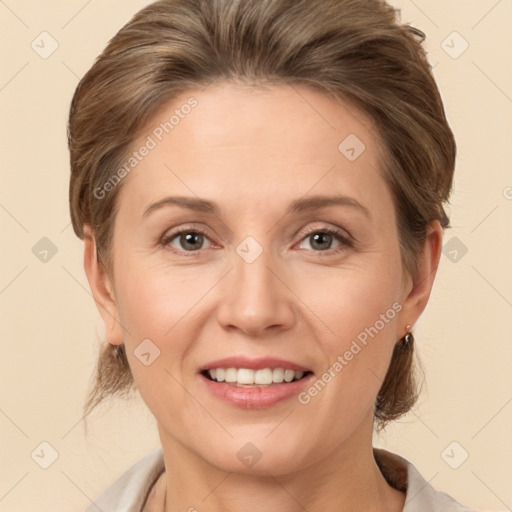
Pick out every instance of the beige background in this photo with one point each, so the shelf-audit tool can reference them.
(50, 327)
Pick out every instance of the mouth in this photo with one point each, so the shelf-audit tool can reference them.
(249, 383)
(249, 378)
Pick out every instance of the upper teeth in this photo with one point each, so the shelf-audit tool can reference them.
(248, 376)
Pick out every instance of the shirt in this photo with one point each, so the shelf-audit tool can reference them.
(130, 491)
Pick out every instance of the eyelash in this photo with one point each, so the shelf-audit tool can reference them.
(345, 241)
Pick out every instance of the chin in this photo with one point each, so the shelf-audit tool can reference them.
(253, 461)
(257, 453)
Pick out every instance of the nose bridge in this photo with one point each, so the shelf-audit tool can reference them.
(255, 298)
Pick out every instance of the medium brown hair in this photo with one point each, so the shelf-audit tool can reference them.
(357, 50)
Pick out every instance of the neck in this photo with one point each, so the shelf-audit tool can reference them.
(346, 479)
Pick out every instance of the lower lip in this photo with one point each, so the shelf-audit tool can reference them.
(257, 397)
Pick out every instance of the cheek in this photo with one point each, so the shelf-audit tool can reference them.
(154, 298)
(357, 358)
(358, 309)
(348, 300)
(364, 340)
(168, 307)
(156, 307)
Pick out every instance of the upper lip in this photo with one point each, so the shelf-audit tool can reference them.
(256, 363)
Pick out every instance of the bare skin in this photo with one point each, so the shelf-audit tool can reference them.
(253, 152)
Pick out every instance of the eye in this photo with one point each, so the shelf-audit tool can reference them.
(191, 241)
(186, 240)
(321, 240)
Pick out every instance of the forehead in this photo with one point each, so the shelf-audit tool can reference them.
(242, 142)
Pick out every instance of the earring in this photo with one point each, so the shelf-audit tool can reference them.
(408, 338)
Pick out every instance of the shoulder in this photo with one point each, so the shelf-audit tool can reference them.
(420, 496)
(129, 492)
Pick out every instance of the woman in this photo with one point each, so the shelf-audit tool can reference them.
(259, 185)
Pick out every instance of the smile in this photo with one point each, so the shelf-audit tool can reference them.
(247, 377)
(254, 383)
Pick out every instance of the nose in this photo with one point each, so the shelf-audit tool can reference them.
(256, 299)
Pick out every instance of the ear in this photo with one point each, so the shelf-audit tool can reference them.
(102, 289)
(418, 291)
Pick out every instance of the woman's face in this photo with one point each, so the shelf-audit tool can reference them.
(286, 260)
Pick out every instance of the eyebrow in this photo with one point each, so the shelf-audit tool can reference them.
(311, 203)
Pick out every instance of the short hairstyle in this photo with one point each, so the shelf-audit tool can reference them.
(356, 50)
